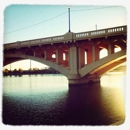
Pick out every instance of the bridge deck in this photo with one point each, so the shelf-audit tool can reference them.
(69, 37)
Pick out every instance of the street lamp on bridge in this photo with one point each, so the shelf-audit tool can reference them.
(69, 16)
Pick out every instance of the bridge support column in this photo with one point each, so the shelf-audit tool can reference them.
(93, 52)
(89, 56)
(73, 64)
(110, 48)
(86, 80)
(59, 56)
(73, 59)
(96, 52)
(81, 57)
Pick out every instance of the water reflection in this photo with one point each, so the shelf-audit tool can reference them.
(81, 105)
(47, 100)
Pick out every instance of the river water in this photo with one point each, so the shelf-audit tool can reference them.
(47, 100)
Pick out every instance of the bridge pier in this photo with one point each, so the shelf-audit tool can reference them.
(86, 80)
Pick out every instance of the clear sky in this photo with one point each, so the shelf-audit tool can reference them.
(25, 22)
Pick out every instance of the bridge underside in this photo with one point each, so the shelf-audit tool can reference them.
(12, 60)
(88, 74)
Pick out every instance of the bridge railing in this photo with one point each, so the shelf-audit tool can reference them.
(97, 33)
(63, 38)
(28, 43)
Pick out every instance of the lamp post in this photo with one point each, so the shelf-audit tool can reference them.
(96, 26)
(69, 16)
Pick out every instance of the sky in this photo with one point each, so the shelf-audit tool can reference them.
(26, 22)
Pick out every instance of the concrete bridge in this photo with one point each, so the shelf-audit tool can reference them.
(67, 53)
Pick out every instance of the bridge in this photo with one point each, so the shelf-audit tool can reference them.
(75, 55)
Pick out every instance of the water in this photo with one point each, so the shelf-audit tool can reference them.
(47, 100)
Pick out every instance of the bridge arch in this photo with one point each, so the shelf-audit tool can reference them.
(103, 65)
(53, 65)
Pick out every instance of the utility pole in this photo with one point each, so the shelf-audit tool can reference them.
(30, 64)
(96, 26)
(10, 66)
(69, 16)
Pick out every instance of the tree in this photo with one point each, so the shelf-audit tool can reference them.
(20, 70)
(5, 71)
